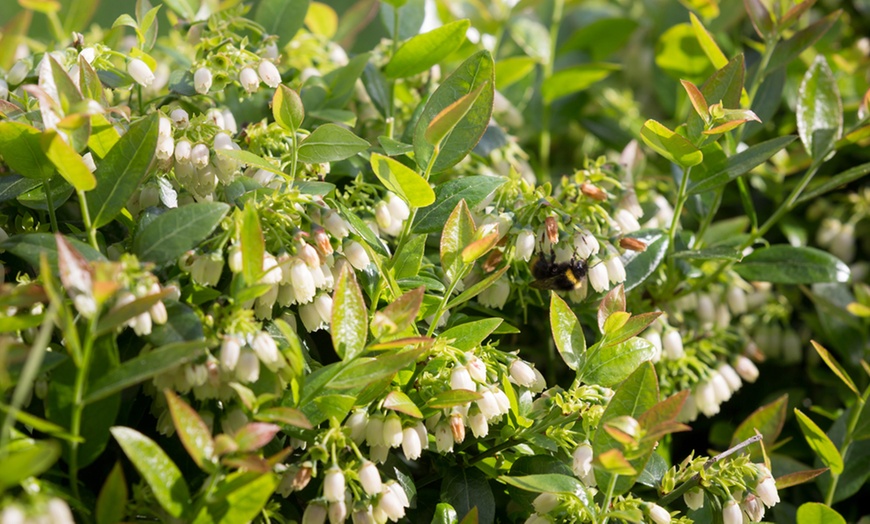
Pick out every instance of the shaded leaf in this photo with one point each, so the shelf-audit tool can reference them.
(177, 230)
(785, 264)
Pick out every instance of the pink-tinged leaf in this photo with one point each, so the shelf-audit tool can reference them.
(798, 477)
(192, 431)
(567, 333)
(614, 462)
(284, 415)
(631, 327)
(479, 247)
(612, 302)
(248, 462)
(767, 419)
(399, 315)
(446, 120)
(835, 366)
(658, 431)
(255, 435)
(665, 411)
(398, 401)
(697, 99)
(76, 273)
(453, 397)
(458, 232)
(760, 17)
(727, 126)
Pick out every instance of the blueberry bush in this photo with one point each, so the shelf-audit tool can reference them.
(529, 261)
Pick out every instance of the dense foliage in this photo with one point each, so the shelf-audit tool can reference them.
(446, 261)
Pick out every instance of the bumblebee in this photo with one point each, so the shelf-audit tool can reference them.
(558, 276)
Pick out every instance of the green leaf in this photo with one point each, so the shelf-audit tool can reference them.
(601, 38)
(425, 50)
(609, 365)
(284, 415)
(27, 458)
(784, 264)
(398, 315)
(473, 190)
(13, 32)
(708, 44)
(790, 49)
(117, 316)
(281, 17)
(361, 229)
(21, 149)
(679, 54)
(30, 247)
(251, 159)
(531, 36)
(401, 180)
(157, 470)
(67, 162)
(330, 143)
(511, 70)
(841, 179)
(452, 397)
(545, 483)
(144, 367)
(640, 265)
(240, 497)
(177, 230)
(478, 287)
(760, 17)
(635, 396)
(670, 145)
(444, 514)
(364, 371)
(445, 121)
(475, 71)
(398, 401)
(41, 425)
(820, 443)
(103, 137)
(252, 245)
(818, 513)
(567, 332)
(819, 109)
(767, 419)
(575, 79)
(112, 501)
(192, 431)
(467, 488)
(739, 164)
(120, 174)
(458, 232)
(349, 316)
(725, 85)
(711, 253)
(835, 367)
(287, 108)
(471, 334)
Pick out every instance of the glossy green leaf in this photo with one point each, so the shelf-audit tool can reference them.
(21, 149)
(798, 477)
(767, 419)
(27, 459)
(567, 332)
(785, 264)
(349, 316)
(820, 443)
(670, 145)
(613, 302)
(251, 159)
(425, 50)
(445, 121)
(740, 164)
(177, 230)
(103, 137)
(473, 190)
(835, 366)
(252, 245)
(475, 71)
(281, 17)
(478, 287)
(458, 232)
(67, 162)
(398, 401)
(365, 371)
(157, 470)
(144, 367)
(330, 143)
(452, 397)
(30, 247)
(444, 514)
(637, 394)
(467, 488)
(818, 513)
(112, 501)
(287, 108)
(120, 173)
(240, 497)
(819, 109)
(284, 415)
(575, 79)
(403, 181)
(609, 365)
(544, 483)
(192, 431)
(630, 327)
(471, 334)
(838, 180)
(640, 265)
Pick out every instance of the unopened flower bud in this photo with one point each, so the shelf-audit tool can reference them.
(658, 514)
(370, 478)
(202, 79)
(140, 72)
(412, 447)
(269, 73)
(672, 343)
(333, 484)
(615, 270)
(522, 373)
(356, 255)
(598, 278)
(249, 80)
(694, 498)
(731, 513)
(525, 245)
(626, 222)
(746, 369)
